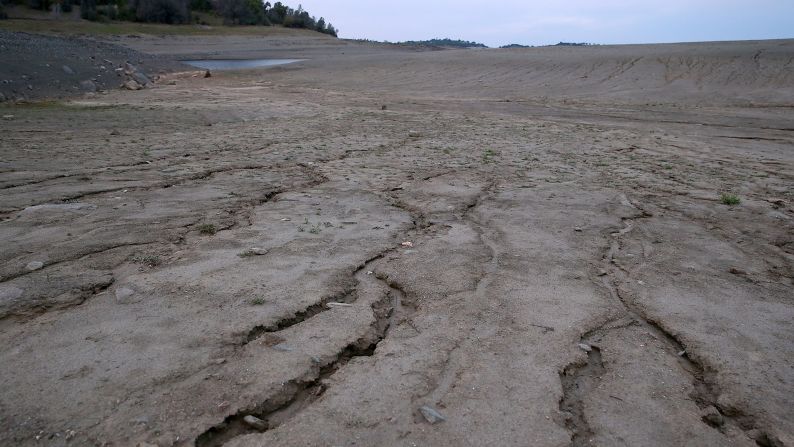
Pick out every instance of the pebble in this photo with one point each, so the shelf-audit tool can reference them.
(257, 251)
(88, 86)
(123, 294)
(9, 293)
(431, 415)
(255, 422)
(414, 134)
(67, 69)
(34, 265)
(585, 347)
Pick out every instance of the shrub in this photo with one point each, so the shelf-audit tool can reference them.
(161, 11)
(730, 199)
(88, 10)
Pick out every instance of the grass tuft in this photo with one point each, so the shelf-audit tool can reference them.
(730, 199)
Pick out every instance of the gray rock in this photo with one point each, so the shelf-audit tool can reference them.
(9, 294)
(283, 347)
(431, 415)
(67, 69)
(34, 265)
(257, 251)
(132, 85)
(2, 97)
(585, 347)
(255, 423)
(140, 78)
(126, 295)
(88, 86)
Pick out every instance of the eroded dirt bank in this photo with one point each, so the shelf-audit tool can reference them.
(547, 271)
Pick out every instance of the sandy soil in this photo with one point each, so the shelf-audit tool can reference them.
(529, 244)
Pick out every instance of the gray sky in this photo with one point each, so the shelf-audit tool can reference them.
(538, 22)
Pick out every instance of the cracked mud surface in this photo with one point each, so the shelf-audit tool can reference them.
(179, 258)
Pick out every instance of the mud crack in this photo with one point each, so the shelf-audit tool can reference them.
(706, 390)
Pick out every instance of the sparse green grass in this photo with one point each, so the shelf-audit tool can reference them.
(258, 301)
(246, 254)
(207, 228)
(148, 260)
(730, 199)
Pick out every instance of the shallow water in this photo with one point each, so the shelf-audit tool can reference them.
(238, 64)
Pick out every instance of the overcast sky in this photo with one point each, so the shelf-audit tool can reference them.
(538, 22)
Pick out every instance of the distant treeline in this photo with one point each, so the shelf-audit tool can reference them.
(233, 12)
(444, 43)
(561, 44)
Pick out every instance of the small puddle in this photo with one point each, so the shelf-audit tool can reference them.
(238, 64)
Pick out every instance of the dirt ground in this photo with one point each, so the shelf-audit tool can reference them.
(389, 247)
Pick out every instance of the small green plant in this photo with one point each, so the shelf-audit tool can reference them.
(487, 156)
(148, 260)
(258, 301)
(730, 199)
(246, 254)
(207, 228)
(315, 229)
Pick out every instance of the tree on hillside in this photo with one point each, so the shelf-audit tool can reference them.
(161, 11)
(242, 12)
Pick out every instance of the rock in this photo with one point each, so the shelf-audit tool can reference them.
(408, 244)
(140, 78)
(88, 86)
(172, 82)
(34, 265)
(132, 85)
(8, 117)
(9, 293)
(737, 271)
(126, 295)
(431, 415)
(712, 416)
(255, 423)
(207, 74)
(257, 251)
(67, 69)
(577, 229)
(383, 107)
(282, 347)
(585, 347)
(129, 68)
(2, 97)
(775, 201)
(414, 134)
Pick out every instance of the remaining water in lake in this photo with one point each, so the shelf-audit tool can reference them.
(238, 64)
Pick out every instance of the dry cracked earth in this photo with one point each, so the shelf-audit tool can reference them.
(508, 248)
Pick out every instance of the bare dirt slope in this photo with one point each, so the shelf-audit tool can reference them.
(536, 266)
